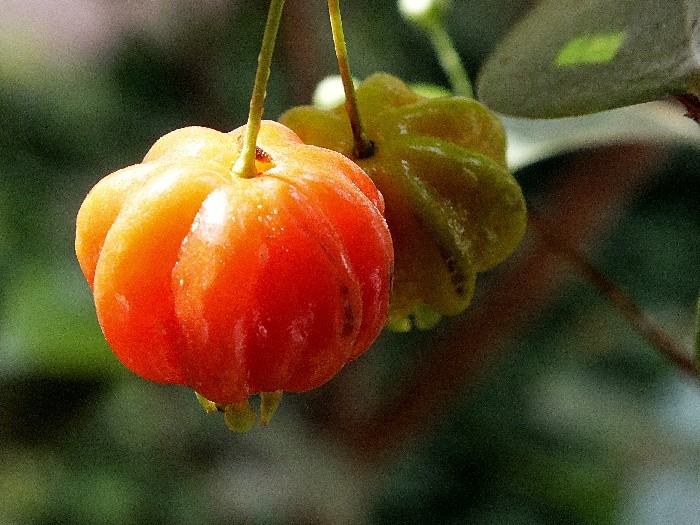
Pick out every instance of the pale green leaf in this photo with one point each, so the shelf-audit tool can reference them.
(572, 57)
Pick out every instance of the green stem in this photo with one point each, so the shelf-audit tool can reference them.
(245, 164)
(430, 17)
(363, 146)
(449, 60)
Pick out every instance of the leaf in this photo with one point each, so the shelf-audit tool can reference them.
(573, 57)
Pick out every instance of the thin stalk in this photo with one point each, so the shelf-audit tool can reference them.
(615, 296)
(363, 146)
(449, 60)
(245, 164)
(430, 17)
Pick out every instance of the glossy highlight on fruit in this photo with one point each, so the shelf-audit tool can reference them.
(452, 206)
(236, 286)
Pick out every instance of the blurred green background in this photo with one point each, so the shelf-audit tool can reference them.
(579, 421)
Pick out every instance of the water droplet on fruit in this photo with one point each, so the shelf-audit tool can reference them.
(123, 302)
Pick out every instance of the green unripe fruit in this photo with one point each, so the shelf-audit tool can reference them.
(452, 206)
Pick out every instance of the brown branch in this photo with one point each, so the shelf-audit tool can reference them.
(597, 186)
(692, 105)
(637, 318)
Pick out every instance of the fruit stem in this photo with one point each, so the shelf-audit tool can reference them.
(245, 164)
(363, 146)
(430, 15)
(450, 61)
